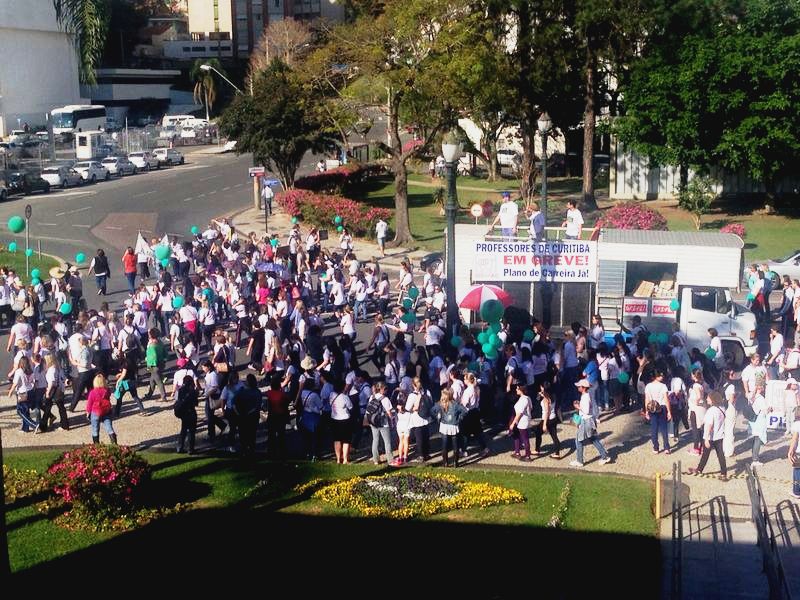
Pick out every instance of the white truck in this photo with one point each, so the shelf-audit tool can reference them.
(660, 276)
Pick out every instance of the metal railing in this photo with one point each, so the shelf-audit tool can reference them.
(677, 533)
(772, 565)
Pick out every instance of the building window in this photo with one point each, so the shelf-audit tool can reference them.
(199, 49)
(187, 49)
(225, 48)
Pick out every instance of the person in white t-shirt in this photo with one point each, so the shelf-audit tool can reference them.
(381, 227)
(658, 411)
(573, 223)
(713, 435)
(507, 216)
(758, 428)
(753, 374)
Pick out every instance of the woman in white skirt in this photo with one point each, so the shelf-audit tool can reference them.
(449, 412)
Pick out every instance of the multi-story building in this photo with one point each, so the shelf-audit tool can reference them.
(232, 28)
(39, 65)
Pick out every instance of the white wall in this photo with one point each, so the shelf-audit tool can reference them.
(39, 66)
(201, 16)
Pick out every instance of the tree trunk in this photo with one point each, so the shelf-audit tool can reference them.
(402, 227)
(527, 186)
(589, 201)
(490, 147)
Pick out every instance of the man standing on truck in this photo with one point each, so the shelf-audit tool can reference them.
(536, 231)
(573, 223)
(507, 215)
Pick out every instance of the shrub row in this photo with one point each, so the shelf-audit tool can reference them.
(321, 209)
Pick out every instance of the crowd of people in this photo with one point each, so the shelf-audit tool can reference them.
(290, 307)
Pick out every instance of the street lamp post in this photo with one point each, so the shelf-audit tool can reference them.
(210, 68)
(544, 124)
(450, 152)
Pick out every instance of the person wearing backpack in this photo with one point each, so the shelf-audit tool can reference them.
(419, 403)
(98, 409)
(185, 408)
(658, 411)
(378, 416)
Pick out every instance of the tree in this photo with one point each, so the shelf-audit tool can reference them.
(88, 22)
(286, 39)
(205, 86)
(278, 123)
(697, 197)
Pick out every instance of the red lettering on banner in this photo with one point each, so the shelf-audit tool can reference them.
(662, 309)
(519, 260)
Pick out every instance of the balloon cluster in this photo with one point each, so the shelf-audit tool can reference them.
(338, 221)
(491, 312)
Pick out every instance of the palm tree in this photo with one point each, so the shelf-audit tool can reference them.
(205, 87)
(87, 21)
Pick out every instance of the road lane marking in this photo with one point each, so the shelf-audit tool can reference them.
(238, 185)
(55, 239)
(186, 199)
(113, 228)
(208, 178)
(72, 212)
(83, 226)
(201, 195)
(144, 194)
(48, 224)
(212, 193)
(225, 189)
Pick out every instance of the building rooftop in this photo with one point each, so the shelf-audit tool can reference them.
(671, 238)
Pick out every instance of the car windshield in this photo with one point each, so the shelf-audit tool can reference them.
(50, 170)
(135, 155)
(788, 256)
(109, 160)
(81, 165)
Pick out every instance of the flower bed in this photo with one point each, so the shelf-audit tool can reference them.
(734, 228)
(633, 215)
(335, 181)
(408, 495)
(320, 210)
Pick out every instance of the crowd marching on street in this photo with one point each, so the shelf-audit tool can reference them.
(291, 307)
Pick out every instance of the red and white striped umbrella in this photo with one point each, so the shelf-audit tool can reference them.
(479, 294)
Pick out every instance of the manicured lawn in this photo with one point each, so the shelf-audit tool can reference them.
(16, 261)
(597, 503)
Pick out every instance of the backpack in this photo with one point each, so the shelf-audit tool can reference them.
(104, 405)
(131, 341)
(424, 408)
(179, 406)
(519, 372)
(376, 415)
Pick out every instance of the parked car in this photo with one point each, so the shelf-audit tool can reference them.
(508, 158)
(62, 177)
(787, 265)
(20, 182)
(119, 166)
(3, 188)
(144, 161)
(169, 156)
(188, 133)
(168, 133)
(92, 171)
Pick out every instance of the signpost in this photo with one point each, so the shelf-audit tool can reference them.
(28, 213)
(476, 210)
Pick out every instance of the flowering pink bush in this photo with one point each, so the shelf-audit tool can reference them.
(98, 480)
(336, 180)
(633, 215)
(734, 228)
(320, 210)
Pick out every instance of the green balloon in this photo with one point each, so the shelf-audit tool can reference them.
(162, 251)
(474, 367)
(80, 257)
(29, 252)
(495, 327)
(750, 297)
(492, 311)
(652, 338)
(488, 348)
(16, 224)
(413, 293)
(493, 340)
(490, 355)
(674, 305)
(339, 228)
(337, 220)
(66, 308)
(195, 230)
(623, 377)
(456, 341)
(409, 317)
(711, 353)
(35, 281)
(165, 262)
(294, 220)
(408, 303)
(35, 273)
(177, 302)
(12, 247)
(483, 337)
(527, 336)
(663, 338)
(274, 242)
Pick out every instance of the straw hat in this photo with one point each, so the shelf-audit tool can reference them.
(57, 273)
(308, 363)
(584, 383)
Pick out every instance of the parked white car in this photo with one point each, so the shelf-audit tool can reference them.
(119, 166)
(144, 161)
(62, 177)
(169, 156)
(92, 171)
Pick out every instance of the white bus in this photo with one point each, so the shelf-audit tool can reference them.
(76, 118)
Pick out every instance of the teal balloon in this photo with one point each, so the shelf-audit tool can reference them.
(29, 252)
(337, 220)
(491, 355)
(456, 341)
(409, 317)
(750, 297)
(413, 293)
(195, 230)
(274, 242)
(495, 327)
(35, 281)
(527, 336)
(35, 273)
(663, 338)
(674, 305)
(294, 220)
(162, 251)
(483, 337)
(408, 303)
(576, 418)
(488, 348)
(12, 247)
(493, 339)
(80, 257)
(652, 338)
(339, 228)
(16, 224)
(66, 308)
(492, 311)
(623, 377)
(177, 302)
(208, 292)
(165, 262)
(711, 353)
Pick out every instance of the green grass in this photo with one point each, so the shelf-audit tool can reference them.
(598, 503)
(16, 261)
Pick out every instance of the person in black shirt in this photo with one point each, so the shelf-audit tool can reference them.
(247, 405)
(101, 271)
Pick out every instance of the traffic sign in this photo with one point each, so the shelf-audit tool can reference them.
(476, 210)
(28, 211)
(256, 171)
